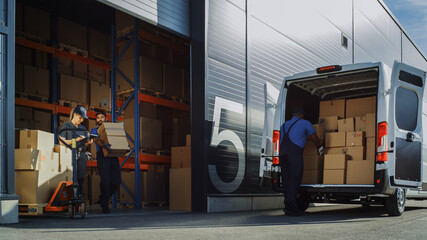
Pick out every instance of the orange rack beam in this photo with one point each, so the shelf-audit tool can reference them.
(51, 107)
(148, 159)
(130, 166)
(58, 52)
(34, 104)
(159, 101)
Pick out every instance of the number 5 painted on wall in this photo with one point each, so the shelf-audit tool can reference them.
(227, 135)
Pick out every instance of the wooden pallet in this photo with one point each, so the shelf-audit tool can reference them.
(30, 37)
(96, 109)
(73, 50)
(31, 209)
(156, 152)
(71, 104)
(32, 97)
(155, 204)
(123, 95)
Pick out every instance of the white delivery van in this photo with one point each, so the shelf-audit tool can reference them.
(399, 157)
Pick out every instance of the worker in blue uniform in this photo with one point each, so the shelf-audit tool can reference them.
(293, 135)
(108, 167)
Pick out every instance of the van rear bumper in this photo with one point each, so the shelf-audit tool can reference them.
(377, 188)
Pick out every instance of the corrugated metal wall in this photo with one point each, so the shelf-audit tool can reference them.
(283, 37)
(170, 14)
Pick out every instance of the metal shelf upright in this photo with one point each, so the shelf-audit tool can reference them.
(133, 38)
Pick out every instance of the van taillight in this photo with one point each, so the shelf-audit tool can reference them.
(382, 147)
(276, 142)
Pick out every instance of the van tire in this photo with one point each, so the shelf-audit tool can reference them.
(303, 202)
(395, 203)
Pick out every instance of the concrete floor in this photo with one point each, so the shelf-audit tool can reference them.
(320, 222)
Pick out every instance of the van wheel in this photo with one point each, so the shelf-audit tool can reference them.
(395, 203)
(303, 202)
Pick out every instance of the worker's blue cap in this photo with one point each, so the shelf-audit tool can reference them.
(298, 111)
(81, 111)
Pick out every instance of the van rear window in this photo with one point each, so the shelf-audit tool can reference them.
(411, 78)
(406, 109)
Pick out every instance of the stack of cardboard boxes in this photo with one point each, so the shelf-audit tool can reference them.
(349, 138)
(313, 163)
(180, 178)
(40, 166)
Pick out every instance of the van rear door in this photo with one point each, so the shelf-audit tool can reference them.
(271, 95)
(405, 119)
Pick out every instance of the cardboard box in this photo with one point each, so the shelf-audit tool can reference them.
(334, 176)
(23, 113)
(312, 176)
(37, 22)
(33, 186)
(73, 89)
(313, 162)
(65, 66)
(355, 139)
(43, 120)
(319, 131)
(153, 187)
(180, 189)
(97, 74)
(188, 140)
(80, 69)
(36, 139)
(38, 186)
(147, 110)
(41, 59)
(124, 20)
(151, 132)
(360, 123)
(100, 95)
(357, 152)
(310, 148)
(99, 44)
(114, 134)
(181, 157)
(36, 81)
(360, 106)
(128, 178)
(335, 161)
(27, 159)
(181, 127)
(335, 139)
(329, 124)
(332, 108)
(346, 125)
(174, 80)
(371, 125)
(72, 34)
(23, 55)
(65, 157)
(166, 115)
(152, 76)
(19, 77)
(371, 147)
(360, 172)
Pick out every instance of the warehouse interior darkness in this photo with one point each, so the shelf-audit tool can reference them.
(64, 59)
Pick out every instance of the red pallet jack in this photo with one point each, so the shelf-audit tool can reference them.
(67, 196)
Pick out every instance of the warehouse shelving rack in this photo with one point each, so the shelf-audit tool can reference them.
(135, 37)
(139, 161)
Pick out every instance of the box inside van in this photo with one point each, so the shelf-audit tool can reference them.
(343, 109)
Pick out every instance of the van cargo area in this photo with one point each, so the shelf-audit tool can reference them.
(342, 107)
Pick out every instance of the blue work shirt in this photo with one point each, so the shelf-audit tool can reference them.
(299, 131)
(95, 132)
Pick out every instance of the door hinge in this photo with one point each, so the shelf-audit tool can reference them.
(387, 92)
